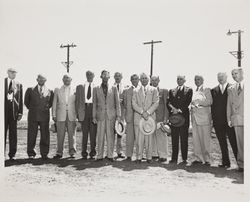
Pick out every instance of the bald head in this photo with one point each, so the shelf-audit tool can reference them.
(67, 79)
(144, 78)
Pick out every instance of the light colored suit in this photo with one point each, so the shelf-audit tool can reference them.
(129, 118)
(105, 111)
(159, 138)
(64, 110)
(235, 114)
(201, 124)
(140, 102)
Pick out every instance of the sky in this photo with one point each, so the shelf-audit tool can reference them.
(109, 34)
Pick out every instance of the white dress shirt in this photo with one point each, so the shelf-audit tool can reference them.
(223, 87)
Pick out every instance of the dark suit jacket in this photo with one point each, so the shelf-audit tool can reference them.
(17, 104)
(39, 107)
(181, 101)
(219, 106)
(80, 102)
(162, 113)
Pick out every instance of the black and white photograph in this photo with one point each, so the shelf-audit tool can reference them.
(124, 100)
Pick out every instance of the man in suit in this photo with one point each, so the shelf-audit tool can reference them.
(159, 138)
(63, 113)
(84, 108)
(145, 101)
(106, 110)
(179, 101)
(38, 101)
(13, 110)
(129, 116)
(235, 113)
(201, 121)
(219, 117)
(120, 88)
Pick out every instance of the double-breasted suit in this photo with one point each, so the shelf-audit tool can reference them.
(235, 115)
(39, 105)
(63, 109)
(201, 123)
(13, 107)
(106, 108)
(219, 117)
(180, 99)
(159, 138)
(84, 108)
(144, 99)
(128, 115)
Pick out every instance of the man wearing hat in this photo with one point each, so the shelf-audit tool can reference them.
(178, 103)
(129, 116)
(13, 109)
(120, 88)
(84, 108)
(145, 101)
(219, 116)
(235, 113)
(201, 121)
(106, 110)
(159, 138)
(38, 101)
(64, 114)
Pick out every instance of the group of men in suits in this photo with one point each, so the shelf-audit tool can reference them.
(97, 108)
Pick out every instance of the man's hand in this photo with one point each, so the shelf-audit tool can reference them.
(145, 115)
(118, 118)
(19, 117)
(230, 124)
(94, 121)
(54, 119)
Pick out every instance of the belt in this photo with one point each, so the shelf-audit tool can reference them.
(88, 104)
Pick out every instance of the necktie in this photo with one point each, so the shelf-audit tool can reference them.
(89, 92)
(10, 86)
(197, 89)
(40, 90)
(239, 89)
(118, 87)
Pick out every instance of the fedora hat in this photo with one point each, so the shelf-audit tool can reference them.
(147, 127)
(176, 120)
(120, 127)
(164, 127)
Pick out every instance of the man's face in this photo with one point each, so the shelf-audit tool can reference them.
(237, 75)
(144, 80)
(11, 75)
(41, 80)
(198, 81)
(155, 81)
(118, 77)
(180, 80)
(222, 78)
(105, 77)
(135, 80)
(67, 80)
(90, 77)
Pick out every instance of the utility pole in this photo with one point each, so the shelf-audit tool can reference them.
(237, 54)
(152, 53)
(68, 63)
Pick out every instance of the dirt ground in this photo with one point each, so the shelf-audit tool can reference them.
(81, 180)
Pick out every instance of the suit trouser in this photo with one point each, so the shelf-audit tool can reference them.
(239, 131)
(11, 125)
(61, 129)
(201, 141)
(162, 143)
(141, 141)
(154, 145)
(32, 134)
(130, 139)
(88, 129)
(222, 132)
(118, 144)
(105, 127)
(182, 134)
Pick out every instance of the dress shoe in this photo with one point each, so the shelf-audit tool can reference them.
(149, 161)
(207, 163)
(91, 157)
(99, 159)
(196, 162)
(173, 161)
(120, 156)
(138, 161)
(128, 159)
(162, 159)
(155, 157)
(241, 170)
(184, 162)
(224, 165)
(111, 159)
(45, 157)
(72, 156)
(31, 157)
(57, 156)
(84, 158)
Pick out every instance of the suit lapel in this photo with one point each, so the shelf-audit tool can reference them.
(6, 86)
(101, 92)
(175, 91)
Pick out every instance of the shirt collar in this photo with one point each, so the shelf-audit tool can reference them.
(241, 84)
(180, 87)
(200, 87)
(225, 84)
